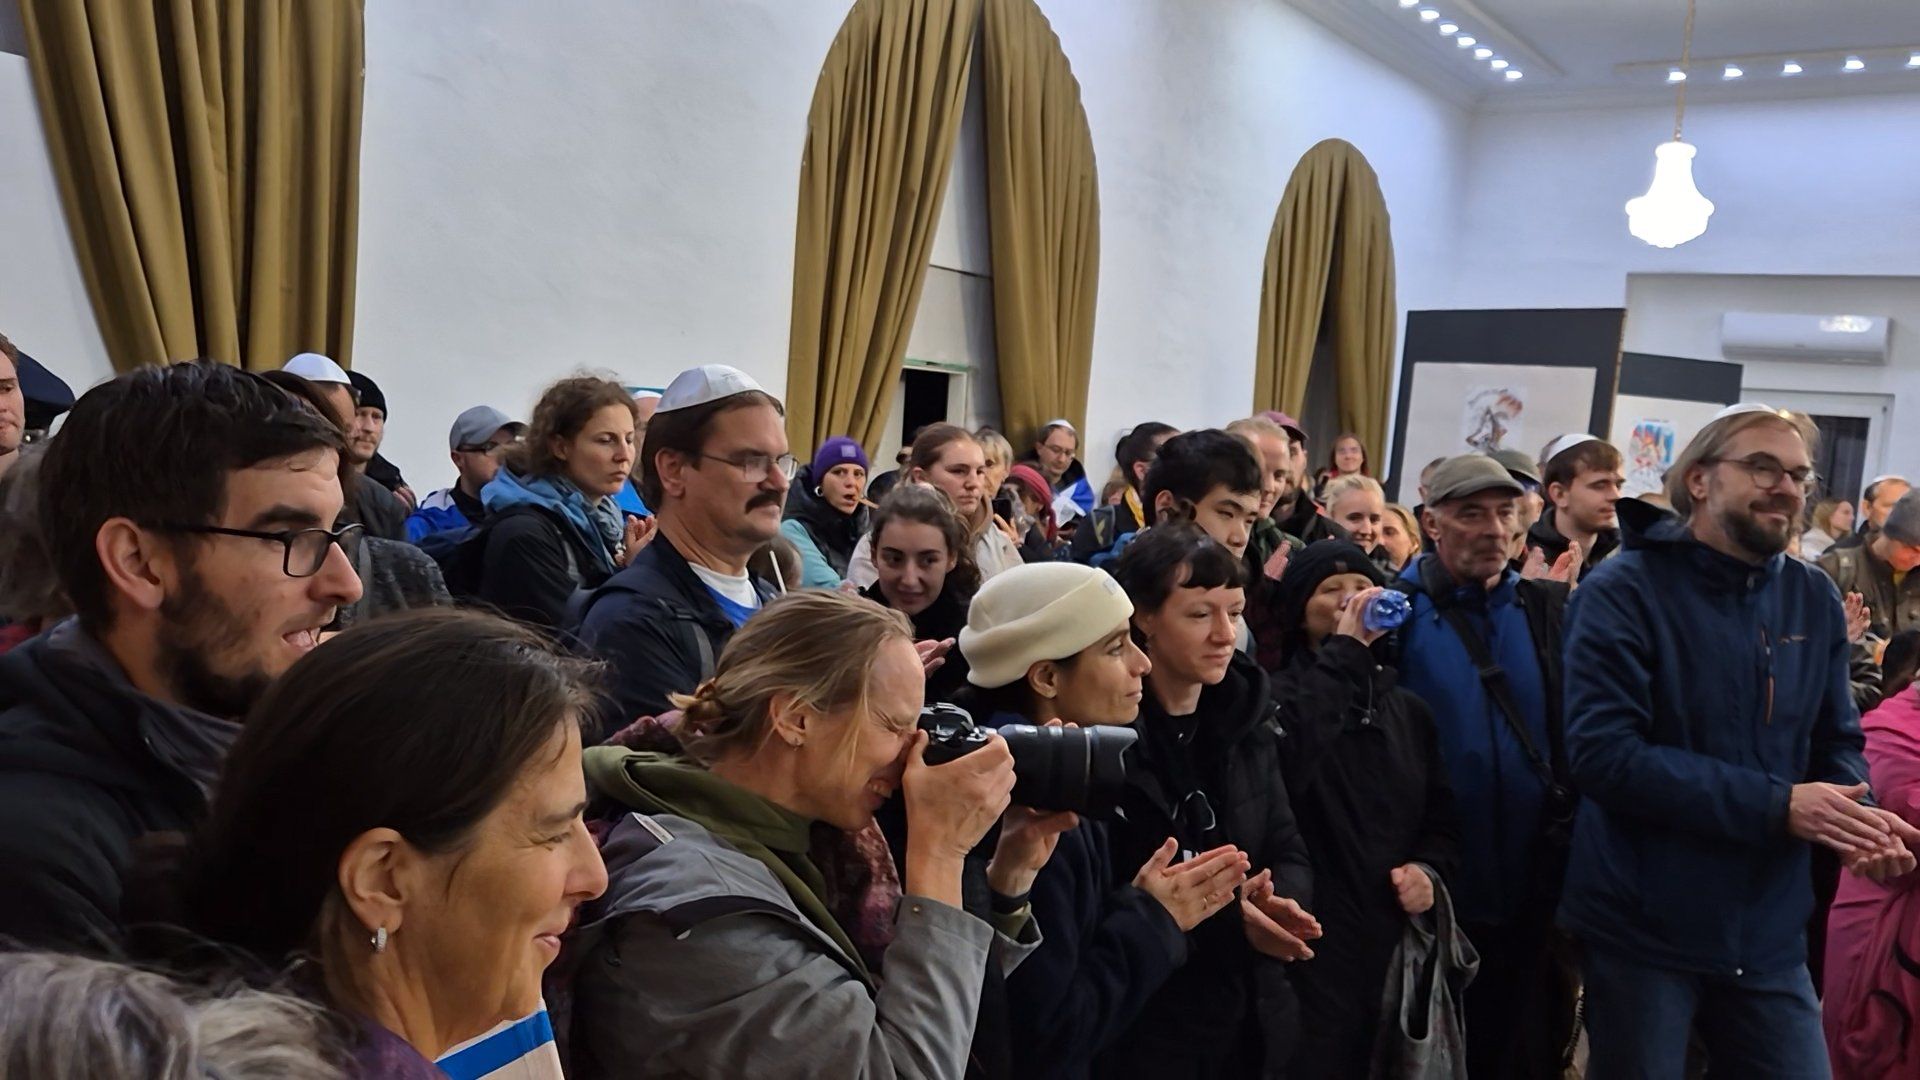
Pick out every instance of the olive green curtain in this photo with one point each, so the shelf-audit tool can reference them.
(880, 139)
(1330, 262)
(1043, 213)
(207, 153)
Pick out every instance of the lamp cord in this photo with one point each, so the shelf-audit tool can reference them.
(1686, 57)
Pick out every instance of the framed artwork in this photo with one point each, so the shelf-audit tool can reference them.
(1501, 379)
(1663, 403)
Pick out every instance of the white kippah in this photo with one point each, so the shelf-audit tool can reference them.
(1040, 611)
(1745, 407)
(1563, 444)
(313, 367)
(700, 385)
(1059, 421)
(646, 395)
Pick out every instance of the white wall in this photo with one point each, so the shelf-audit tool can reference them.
(43, 302)
(613, 184)
(1679, 315)
(1822, 186)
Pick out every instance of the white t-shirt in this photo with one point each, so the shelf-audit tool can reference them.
(737, 589)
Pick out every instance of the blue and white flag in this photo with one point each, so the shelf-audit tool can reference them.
(1072, 501)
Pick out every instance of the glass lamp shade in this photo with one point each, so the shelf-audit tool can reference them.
(1672, 211)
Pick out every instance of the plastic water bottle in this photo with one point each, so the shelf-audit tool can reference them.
(1386, 611)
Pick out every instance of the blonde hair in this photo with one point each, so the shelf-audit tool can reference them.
(1259, 425)
(996, 446)
(1347, 484)
(1408, 522)
(1712, 442)
(814, 646)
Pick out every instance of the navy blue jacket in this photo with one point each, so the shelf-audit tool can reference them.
(1498, 793)
(658, 628)
(1700, 689)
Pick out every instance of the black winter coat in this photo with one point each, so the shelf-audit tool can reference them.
(533, 567)
(834, 533)
(1309, 524)
(1229, 1011)
(89, 767)
(942, 619)
(660, 630)
(1546, 536)
(1370, 791)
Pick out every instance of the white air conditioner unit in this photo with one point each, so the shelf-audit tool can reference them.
(1829, 339)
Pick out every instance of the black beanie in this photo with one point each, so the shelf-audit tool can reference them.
(369, 391)
(1306, 570)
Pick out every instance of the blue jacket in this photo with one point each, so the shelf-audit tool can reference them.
(1700, 688)
(1500, 796)
(436, 513)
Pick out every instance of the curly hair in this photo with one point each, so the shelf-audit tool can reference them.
(564, 409)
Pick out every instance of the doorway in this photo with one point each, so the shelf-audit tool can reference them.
(1853, 435)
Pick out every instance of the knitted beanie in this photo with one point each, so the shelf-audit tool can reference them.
(1040, 611)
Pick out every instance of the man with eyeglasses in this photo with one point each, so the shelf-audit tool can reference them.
(1881, 568)
(1712, 732)
(189, 511)
(478, 437)
(1053, 455)
(715, 471)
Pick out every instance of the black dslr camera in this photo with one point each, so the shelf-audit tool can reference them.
(1055, 768)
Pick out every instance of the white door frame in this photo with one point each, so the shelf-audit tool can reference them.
(1876, 409)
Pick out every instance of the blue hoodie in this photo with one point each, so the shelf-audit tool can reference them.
(1700, 688)
(1499, 794)
(598, 525)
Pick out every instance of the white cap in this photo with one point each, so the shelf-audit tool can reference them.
(1746, 407)
(646, 395)
(1563, 444)
(700, 385)
(1060, 421)
(313, 367)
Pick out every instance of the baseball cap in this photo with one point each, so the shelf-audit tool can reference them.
(1519, 464)
(1287, 422)
(1469, 474)
(703, 384)
(313, 367)
(475, 426)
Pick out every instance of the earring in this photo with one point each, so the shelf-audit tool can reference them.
(795, 743)
(380, 940)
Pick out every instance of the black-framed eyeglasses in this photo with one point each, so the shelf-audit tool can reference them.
(486, 448)
(303, 551)
(754, 466)
(1767, 473)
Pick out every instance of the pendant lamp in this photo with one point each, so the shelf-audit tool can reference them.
(1672, 211)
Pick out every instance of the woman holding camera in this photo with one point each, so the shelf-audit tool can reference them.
(1368, 785)
(1208, 771)
(926, 573)
(721, 948)
(1049, 644)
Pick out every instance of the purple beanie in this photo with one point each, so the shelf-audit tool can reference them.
(838, 450)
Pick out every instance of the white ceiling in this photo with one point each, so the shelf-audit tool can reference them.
(1618, 51)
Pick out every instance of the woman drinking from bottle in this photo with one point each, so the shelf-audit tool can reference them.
(1369, 789)
(1049, 643)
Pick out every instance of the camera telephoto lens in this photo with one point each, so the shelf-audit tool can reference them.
(1055, 768)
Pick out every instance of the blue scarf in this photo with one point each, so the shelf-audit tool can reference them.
(598, 523)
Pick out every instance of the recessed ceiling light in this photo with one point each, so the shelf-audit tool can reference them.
(1498, 65)
(1408, 3)
(1733, 72)
(1513, 75)
(1466, 42)
(1854, 63)
(1791, 67)
(1447, 29)
(1676, 75)
(1482, 53)
(1428, 14)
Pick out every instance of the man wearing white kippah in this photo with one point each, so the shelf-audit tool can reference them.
(715, 471)
(1054, 450)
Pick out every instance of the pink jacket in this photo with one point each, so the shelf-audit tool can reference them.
(1873, 933)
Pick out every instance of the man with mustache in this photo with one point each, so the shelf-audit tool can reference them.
(190, 514)
(1712, 731)
(1482, 647)
(715, 471)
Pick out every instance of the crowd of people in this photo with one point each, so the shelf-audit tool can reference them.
(644, 748)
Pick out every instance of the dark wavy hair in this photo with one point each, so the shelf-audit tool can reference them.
(564, 409)
(1176, 555)
(930, 506)
(420, 722)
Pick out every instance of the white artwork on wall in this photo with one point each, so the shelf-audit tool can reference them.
(1458, 409)
(1651, 432)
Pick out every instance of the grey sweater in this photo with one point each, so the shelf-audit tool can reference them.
(394, 576)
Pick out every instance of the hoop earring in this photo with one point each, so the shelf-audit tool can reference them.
(380, 940)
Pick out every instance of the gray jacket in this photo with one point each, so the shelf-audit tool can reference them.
(696, 963)
(394, 576)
